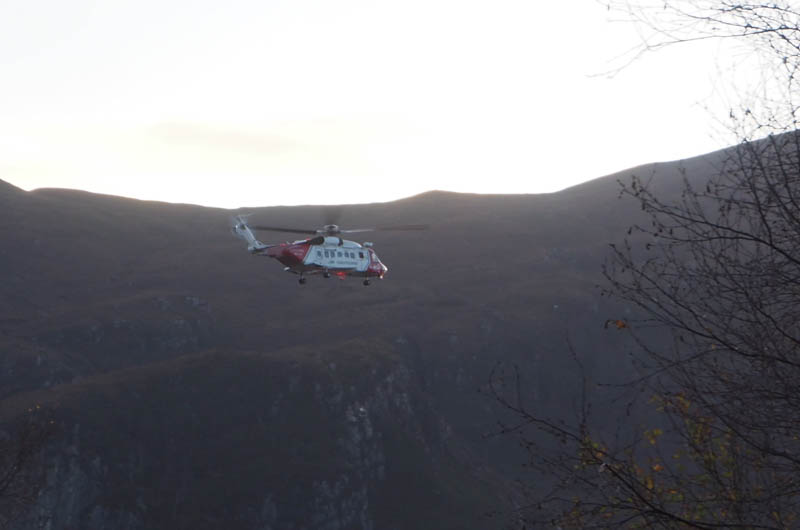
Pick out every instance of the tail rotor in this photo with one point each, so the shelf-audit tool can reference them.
(241, 229)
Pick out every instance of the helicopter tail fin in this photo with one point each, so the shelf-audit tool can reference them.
(240, 229)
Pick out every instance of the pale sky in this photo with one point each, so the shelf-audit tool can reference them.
(248, 103)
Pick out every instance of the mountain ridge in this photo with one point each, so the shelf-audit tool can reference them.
(169, 355)
(707, 158)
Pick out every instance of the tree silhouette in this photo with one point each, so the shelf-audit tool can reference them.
(719, 270)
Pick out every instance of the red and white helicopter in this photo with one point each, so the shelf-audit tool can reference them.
(325, 253)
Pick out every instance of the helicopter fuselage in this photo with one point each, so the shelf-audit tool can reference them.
(328, 255)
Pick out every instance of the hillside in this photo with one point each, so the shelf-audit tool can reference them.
(196, 386)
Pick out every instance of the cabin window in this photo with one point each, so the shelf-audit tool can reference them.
(340, 254)
(326, 253)
(319, 253)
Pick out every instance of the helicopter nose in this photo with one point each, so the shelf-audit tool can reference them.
(376, 268)
(379, 268)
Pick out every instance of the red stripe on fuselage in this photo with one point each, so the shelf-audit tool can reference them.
(290, 254)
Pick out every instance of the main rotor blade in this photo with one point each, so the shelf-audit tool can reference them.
(386, 228)
(403, 227)
(356, 230)
(282, 229)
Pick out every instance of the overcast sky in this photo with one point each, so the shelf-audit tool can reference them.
(246, 102)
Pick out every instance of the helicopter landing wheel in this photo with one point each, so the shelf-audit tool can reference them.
(301, 281)
(366, 282)
(326, 274)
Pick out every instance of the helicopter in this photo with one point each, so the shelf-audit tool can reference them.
(324, 253)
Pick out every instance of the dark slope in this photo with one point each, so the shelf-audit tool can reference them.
(7, 188)
(172, 356)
